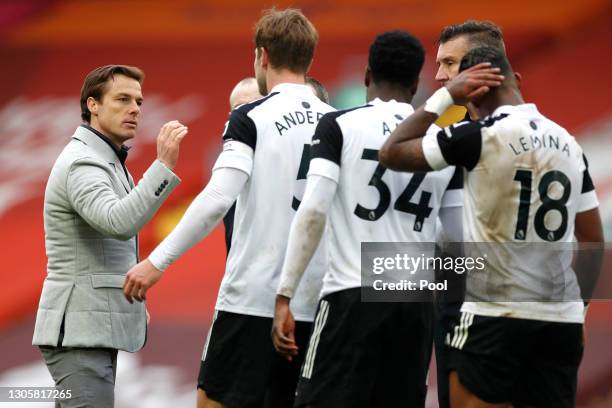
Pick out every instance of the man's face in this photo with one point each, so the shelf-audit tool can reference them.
(117, 112)
(260, 73)
(449, 58)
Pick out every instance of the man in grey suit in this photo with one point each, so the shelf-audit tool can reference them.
(92, 215)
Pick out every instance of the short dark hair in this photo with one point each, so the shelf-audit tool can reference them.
(479, 34)
(396, 57)
(496, 57)
(289, 38)
(320, 90)
(95, 84)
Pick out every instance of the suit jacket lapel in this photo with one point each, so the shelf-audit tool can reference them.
(131, 180)
(121, 175)
(106, 152)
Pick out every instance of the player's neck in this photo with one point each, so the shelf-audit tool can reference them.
(473, 111)
(283, 76)
(503, 96)
(387, 93)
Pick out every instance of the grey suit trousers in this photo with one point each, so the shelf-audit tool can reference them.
(89, 374)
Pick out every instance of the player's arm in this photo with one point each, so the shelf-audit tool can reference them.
(589, 227)
(90, 191)
(451, 208)
(306, 231)
(307, 227)
(304, 237)
(405, 149)
(230, 173)
(590, 237)
(451, 221)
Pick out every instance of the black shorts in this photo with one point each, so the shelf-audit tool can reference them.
(446, 316)
(366, 354)
(240, 367)
(520, 361)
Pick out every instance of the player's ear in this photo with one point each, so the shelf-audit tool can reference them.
(308, 69)
(92, 105)
(368, 77)
(519, 78)
(265, 59)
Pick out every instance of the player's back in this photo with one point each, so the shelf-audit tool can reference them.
(279, 128)
(522, 195)
(373, 204)
(527, 183)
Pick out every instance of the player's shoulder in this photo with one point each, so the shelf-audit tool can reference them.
(557, 132)
(318, 105)
(248, 107)
(555, 126)
(513, 116)
(343, 114)
(332, 123)
(499, 118)
(470, 128)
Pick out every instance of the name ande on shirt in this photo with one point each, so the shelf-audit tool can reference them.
(297, 118)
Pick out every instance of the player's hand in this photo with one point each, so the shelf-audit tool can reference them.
(474, 82)
(139, 279)
(283, 329)
(168, 141)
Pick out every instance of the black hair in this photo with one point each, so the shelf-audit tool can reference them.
(396, 57)
(496, 57)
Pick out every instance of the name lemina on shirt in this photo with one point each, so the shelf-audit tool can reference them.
(536, 141)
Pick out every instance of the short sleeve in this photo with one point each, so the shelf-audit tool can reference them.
(236, 155)
(453, 196)
(326, 150)
(327, 140)
(241, 128)
(459, 144)
(588, 197)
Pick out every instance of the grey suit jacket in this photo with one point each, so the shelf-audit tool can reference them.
(92, 216)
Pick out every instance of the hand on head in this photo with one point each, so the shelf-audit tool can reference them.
(474, 82)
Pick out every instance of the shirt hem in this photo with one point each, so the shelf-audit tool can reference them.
(523, 315)
(259, 313)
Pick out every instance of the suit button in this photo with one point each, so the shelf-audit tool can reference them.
(157, 193)
(165, 182)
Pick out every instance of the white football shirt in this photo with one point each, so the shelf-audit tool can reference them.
(373, 204)
(279, 129)
(526, 180)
